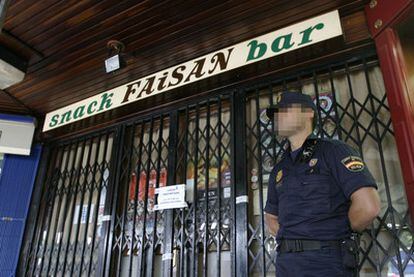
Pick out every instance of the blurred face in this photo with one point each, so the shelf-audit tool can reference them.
(292, 119)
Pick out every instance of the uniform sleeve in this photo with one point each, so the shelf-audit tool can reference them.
(348, 169)
(272, 203)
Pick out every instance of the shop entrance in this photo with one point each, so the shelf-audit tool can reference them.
(98, 218)
(191, 146)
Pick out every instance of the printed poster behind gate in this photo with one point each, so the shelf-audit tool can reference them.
(139, 202)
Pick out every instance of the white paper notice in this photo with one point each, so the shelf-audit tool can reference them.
(170, 197)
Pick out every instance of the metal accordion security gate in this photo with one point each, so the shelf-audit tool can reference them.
(97, 215)
(70, 230)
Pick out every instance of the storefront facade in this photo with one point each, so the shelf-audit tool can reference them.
(92, 210)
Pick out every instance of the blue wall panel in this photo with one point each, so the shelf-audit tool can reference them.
(16, 185)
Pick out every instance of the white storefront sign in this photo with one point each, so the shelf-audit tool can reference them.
(275, 43)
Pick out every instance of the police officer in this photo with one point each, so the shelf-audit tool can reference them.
(319, 194)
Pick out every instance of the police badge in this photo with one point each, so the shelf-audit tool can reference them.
(278, 98)
(279, 177)
(313, 162)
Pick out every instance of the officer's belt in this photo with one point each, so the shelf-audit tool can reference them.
(287, 246)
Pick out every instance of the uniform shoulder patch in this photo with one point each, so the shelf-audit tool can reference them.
(353, 163)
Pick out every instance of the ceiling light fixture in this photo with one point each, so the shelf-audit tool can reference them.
(114, 60)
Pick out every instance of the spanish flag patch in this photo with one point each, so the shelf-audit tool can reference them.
(353, 163)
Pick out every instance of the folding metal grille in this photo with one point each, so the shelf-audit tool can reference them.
(69, 237)
(201, 152)
(202, 233)
(97, 216)
(138, 235)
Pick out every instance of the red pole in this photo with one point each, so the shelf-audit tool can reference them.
(402, 109)
(382, 17)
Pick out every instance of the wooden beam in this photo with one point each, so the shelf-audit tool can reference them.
(17, 41)
(21, 104)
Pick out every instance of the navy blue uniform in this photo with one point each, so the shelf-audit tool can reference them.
(310, 194)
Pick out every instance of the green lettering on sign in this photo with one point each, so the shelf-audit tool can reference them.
(286, 43)
(54, 120)
(106, 102)
(260, 47)
(307, 33)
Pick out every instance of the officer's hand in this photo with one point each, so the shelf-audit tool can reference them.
(272, 223)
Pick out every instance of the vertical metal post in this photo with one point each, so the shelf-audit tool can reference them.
(194, 257)
(219, 188)
(108, 228)
(261, 204)
(169, 215)
(206, 192)
(240, 183)
(184, 250)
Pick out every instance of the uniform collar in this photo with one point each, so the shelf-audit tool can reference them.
(308, 145)
(309, 139)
